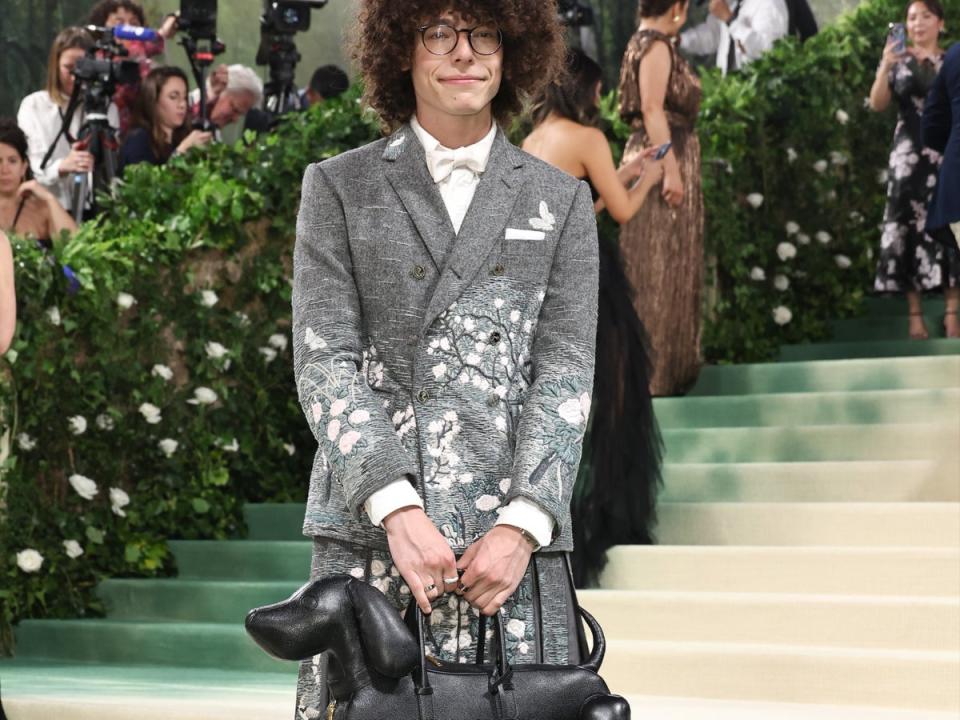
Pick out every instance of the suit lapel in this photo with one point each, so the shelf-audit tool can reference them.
(418, 192)
(483, 226)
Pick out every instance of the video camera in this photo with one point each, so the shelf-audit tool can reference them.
(574, 14)
(280, 21)
(99, 71)
(198, 21)
(286, 17)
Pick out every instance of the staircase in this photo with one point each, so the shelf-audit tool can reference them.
(809, 564)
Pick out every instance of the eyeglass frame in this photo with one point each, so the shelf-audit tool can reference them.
(469, 31)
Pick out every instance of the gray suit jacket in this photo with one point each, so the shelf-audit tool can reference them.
(464, 363)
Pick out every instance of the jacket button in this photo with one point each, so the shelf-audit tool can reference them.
(499, 269)
(495, 337)
(419, 272)
(423, 396)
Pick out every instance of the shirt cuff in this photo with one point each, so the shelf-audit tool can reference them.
(528, 516)
(396, 495)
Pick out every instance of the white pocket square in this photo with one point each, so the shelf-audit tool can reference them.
(518, 234)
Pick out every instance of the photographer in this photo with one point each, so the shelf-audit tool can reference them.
(232, 91)
(26, 206)
(115, 13)
(161, 121)
(738, 31)
(41, 117)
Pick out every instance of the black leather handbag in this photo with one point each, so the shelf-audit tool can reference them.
(381, 671)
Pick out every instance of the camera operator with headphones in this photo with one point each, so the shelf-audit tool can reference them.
(42, 114)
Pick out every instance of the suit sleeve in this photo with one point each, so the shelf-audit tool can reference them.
(344, 412)
(557, 403)
(937, 115)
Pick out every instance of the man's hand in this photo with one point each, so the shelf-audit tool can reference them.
(421, 554)
(494, 566)
(720, 10)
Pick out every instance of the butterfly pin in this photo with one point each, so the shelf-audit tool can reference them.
(314, 341)
(546, 221)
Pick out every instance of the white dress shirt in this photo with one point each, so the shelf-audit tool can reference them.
(40, 119)
(758, 25)
(459, 173)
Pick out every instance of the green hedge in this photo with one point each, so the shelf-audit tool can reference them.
(189, 270)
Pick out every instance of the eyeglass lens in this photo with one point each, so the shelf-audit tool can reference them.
(443, 39)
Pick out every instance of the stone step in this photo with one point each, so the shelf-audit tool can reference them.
(810, 524)
(870, 349)
(852, 621)
(837, 375)
(801, 570)
(178, 600)
(243, 559)
(885, 327)
(274, 521)
(859, 481)
(225, 646)
(96, 692)
(796, 409)
(924, 680)
(919, 441)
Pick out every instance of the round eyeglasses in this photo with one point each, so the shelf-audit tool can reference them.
(442, 39)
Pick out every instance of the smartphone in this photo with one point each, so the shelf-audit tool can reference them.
(898, 36)
(663, 150)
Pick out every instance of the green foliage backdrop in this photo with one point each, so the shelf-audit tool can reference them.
(150, 378)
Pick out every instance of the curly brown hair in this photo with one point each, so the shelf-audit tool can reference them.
(386, 33)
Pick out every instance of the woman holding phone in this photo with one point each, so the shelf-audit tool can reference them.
(614, 501)
(911, 262)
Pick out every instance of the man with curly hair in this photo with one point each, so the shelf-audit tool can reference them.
(445, 299)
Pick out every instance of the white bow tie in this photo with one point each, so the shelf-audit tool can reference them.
(441, 162)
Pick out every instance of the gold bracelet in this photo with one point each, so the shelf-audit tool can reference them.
(530, 539)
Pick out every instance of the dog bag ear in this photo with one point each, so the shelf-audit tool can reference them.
(389, 645)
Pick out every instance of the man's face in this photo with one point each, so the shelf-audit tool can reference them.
(231, 106)
(460, 83)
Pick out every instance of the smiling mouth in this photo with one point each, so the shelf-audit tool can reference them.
(461, 80)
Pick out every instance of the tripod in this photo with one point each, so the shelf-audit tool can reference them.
(280, 92)
(97, 137)
(200, 60)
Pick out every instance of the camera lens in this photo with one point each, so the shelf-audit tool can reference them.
(291, 17)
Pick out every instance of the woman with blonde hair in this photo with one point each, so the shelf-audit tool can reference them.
(41, 117)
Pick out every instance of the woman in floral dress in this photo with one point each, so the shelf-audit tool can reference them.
(911, 261)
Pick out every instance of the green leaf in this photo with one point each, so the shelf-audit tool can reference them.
(200, 506)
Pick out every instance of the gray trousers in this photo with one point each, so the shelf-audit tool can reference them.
(539, 618)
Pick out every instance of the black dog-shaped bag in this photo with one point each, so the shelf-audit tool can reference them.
(379, 669)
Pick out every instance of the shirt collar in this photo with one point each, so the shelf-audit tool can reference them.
(431, 145)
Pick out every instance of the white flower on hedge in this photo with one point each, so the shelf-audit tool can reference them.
(278, 341)
(168, 446)
(209, 298)
(755, 200)
(842, 117)
(231, 447)
(882, 177)
(792, 228)
(823, 237)
(85, 487)
(791, 155)
(77, 424)
(203, 396)
(73, 549)
(803, 239)
(151, 413)
(786, 251)
(486, 503)
(781, 282)
(162, 371)
(843, 262)
(856, 217)
(25, 442)
(290, 448)
(269, 354)
(782, 315)
(126, 300)
(118, 500)
(821, 166)
(347, 442)
(215, 351)
(838, 158)
(53, 315)
(242, 319)
(12, 356)
(105, 422)
(29, 560)
(758, 274)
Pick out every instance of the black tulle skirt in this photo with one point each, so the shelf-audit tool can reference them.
(614, 502)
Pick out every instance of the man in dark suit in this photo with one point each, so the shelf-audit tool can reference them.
(941, 132)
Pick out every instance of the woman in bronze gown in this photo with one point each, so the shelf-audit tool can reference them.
(662, 245)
